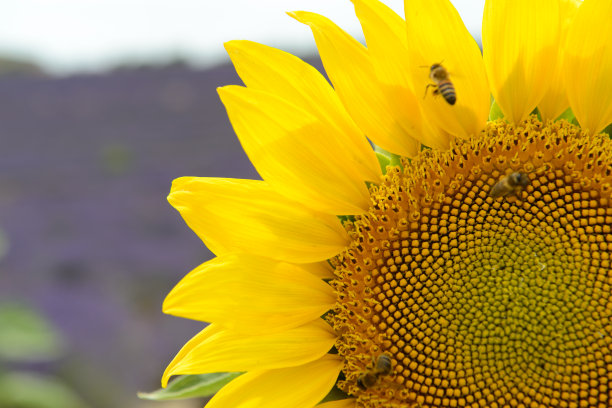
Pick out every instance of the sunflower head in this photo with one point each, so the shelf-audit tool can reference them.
(462, 262)
(472, 295)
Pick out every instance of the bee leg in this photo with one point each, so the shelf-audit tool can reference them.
(427, 87)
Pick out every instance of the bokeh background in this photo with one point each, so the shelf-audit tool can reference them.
(102, 104)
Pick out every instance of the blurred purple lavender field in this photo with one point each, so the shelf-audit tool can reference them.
(86, 164)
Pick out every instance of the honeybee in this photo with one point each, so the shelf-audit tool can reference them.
(368, 378)
(513, 183)
(442, 84)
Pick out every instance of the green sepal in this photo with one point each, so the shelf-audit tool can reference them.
(568, 115)
(25, 336)
(335, 394)
(608, 130)
(386, 158)
(346, 218)
(495, 112)
(383, 161)
(190, 386)
(396, 160)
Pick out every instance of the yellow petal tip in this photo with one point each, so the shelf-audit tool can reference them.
(167, 306)
(165, 378)
(233, 46)
(228, 90)
(301, 16)
(230, 46)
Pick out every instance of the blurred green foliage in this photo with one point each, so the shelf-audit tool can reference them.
(116, 159)
(11, 66)
(28, 390)
(26, 338)
(4, 244)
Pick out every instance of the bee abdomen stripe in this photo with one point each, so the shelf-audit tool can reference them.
(447, 88)
(448, 92)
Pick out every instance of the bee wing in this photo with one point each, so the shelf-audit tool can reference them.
(499, 189)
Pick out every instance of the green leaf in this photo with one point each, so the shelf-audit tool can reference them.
(25, 336)
(190, 386)
(495, 112)
(26, 390)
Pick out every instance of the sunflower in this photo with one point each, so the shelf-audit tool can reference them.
(464, 261)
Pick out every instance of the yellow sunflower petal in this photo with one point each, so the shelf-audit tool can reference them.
(288, 77)
(588, 62)
(295, 387)
(248, 216)
(385, 34)
(343, 403)
(302, 157)
(350, 69)
(555, 102)
(322, 270)
(215, 349)
(438, 36)
(250, 294)
(520, 39)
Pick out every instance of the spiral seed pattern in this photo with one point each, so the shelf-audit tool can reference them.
(481, 301)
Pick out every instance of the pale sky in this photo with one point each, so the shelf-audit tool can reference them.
(71, 35)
